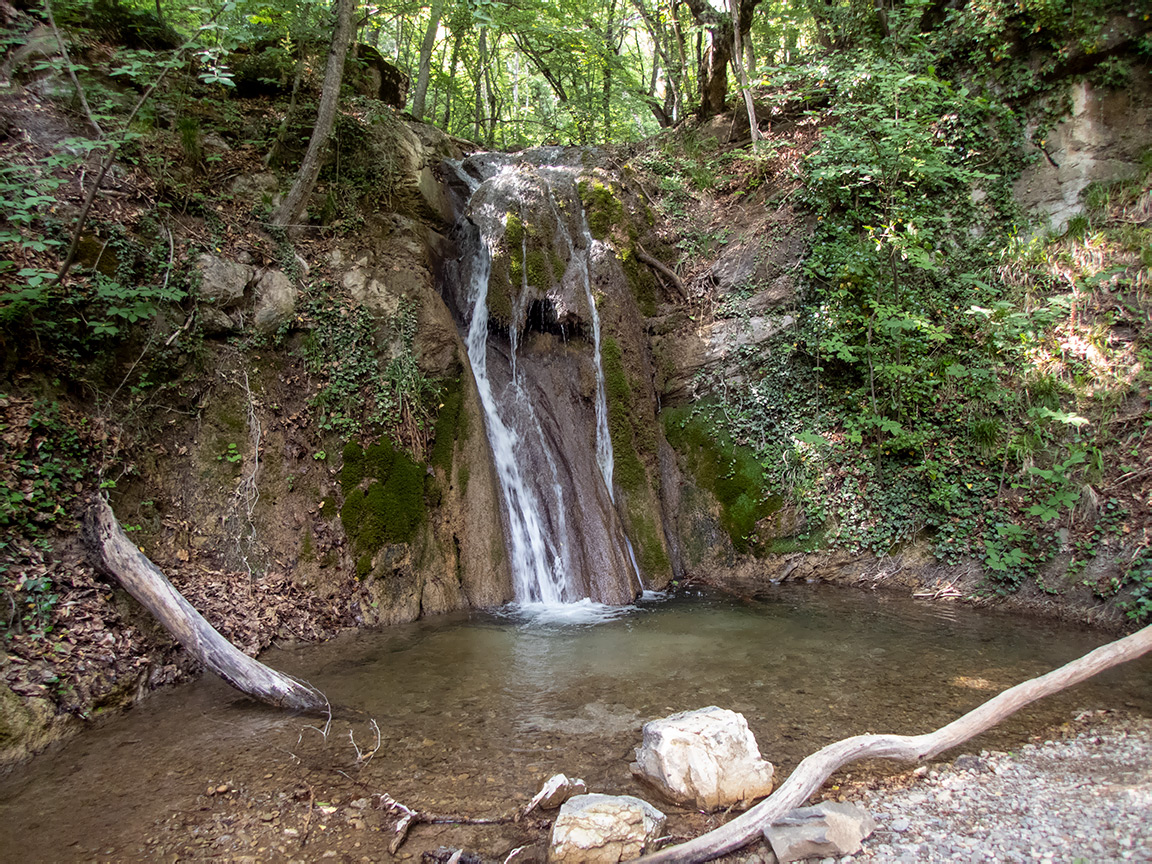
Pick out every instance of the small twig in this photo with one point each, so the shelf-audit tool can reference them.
(362, 757)
(410, 817)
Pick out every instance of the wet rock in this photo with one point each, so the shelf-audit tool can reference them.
(222, 281)
(706, 758)
(276, 300)
(603, 829)
(830, 829)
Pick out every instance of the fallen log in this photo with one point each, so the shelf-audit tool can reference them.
(119, 557)
(814, 770)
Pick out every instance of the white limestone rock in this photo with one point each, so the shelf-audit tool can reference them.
(706, 759)
(556, 790)
(831, 829)
(603, 829)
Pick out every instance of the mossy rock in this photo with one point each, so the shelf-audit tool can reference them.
(629, 470)
(379, 459)
(730, 472)
(448, 426)
(602, 206)
(352, 513)
(352, 471)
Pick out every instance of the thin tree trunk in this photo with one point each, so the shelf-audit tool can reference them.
(292, 207)
(426, 59)
(119, 557)
(742, 75)
(813, 771)
(457, 37)
(479, 76)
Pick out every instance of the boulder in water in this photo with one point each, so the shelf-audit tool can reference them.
(603, 829)
(706, 758)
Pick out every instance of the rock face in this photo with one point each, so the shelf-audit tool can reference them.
(830, 829)
(752, 285)
(1099, 141)
(706, 758)
(603, 829)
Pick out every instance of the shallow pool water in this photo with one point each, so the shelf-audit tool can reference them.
(475, 711)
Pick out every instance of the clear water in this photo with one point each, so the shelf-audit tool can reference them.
(475, 711)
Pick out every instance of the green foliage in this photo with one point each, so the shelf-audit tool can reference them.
(1138, 607)
(44, 462)
(362, 391)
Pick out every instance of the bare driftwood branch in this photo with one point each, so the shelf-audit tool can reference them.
(813, 771)
(119, 556)
(664, 271)
(410, 817)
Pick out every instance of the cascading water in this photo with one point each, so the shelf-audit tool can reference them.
(538, 371)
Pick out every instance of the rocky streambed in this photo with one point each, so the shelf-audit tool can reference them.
(1086, 797)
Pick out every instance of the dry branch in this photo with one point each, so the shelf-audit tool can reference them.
(410, 817)
(813, 771)
(119, 557)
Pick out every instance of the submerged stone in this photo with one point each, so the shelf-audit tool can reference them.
(604, 829)
(830, 829)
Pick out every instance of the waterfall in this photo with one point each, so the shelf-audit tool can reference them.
(548, 431)
(535, 564)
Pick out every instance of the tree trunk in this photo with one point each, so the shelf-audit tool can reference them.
(456, 39)
(118, 556)
(742, 75)
(426, 59)
(479, 73)
(713, 76)
(813, 771)
(294, 202)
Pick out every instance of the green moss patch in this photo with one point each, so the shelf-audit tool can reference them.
(392, 507)
(629, 470)
(731, 472)
(447, 428)
(603, 208)
(352, 471)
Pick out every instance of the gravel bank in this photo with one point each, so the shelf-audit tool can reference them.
(1087, 797)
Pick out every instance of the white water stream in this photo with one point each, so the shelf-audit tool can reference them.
(542, 564)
